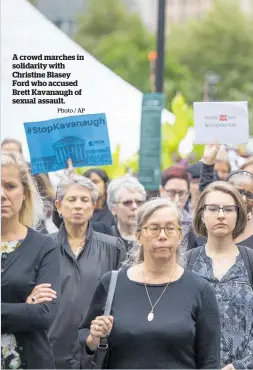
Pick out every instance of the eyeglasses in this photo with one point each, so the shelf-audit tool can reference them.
(173, 192)
(248, 194)
(214, 209)
(154, 230)
(129, 203)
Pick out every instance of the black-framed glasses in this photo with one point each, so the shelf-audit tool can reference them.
(129, 203)
(155, 230)
(215, 209)
(248, 194)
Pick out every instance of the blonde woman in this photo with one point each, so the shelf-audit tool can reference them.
(221, 216)
(30, 272)
(162, 316)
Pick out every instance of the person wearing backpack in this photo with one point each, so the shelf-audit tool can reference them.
(221, 216)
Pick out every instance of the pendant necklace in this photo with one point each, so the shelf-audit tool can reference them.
(151, 313)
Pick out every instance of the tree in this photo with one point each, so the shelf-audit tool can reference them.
(222, 42)
(118, 39)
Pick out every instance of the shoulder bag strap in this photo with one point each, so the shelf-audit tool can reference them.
(111, 292)
(247, 256)
(191, 256)
(99, 359)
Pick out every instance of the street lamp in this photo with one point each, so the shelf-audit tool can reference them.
(160, 46)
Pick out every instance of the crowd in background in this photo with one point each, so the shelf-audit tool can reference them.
(184, 294)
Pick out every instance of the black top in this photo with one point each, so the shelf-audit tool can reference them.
(104, 216)
(247, 242)
(79, 277)
(185, 331)
(34, 262)
(99, 226)
(127, 243)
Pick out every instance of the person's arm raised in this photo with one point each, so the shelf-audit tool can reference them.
(207, 173)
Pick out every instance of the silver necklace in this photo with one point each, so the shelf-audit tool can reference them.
(151, 315)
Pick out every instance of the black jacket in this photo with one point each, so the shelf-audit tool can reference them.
(79, 277)
(207, 176)
(104, 216)
(98, 226)
(127, 243)
(34, 262)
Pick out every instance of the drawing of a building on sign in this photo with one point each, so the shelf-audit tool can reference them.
(70, 147)
(43, 164)
(95, 157)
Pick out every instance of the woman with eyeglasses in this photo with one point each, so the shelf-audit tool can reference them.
(242, 180)
(162, 317)
(176, 185)
(125, 195)
(221, 217)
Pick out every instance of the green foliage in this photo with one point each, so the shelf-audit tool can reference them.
(171, 138)
(118, 39)
(222, 43)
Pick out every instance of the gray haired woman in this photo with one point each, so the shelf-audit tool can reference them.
(162, 316)
(85, 256)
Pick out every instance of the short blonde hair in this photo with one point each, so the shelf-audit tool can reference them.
(226, 188)
(31, 212)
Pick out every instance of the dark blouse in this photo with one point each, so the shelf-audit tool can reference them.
(35, 261)
(185, 331)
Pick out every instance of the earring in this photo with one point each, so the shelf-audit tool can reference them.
(60, 215)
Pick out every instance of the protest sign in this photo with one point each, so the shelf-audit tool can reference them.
(83, 138)
(150, 143)
(224, 122)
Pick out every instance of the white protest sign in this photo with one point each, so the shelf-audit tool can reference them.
(224, 122)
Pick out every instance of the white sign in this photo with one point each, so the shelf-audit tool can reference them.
(224, 122)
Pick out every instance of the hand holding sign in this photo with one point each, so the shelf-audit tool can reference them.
(70, 168)
(210, 154)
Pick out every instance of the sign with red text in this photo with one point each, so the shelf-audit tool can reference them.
(222, 122)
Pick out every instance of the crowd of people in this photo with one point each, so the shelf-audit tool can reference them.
(184, 292)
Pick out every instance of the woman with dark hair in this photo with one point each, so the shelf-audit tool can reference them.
(101, 213)
(175, 185)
